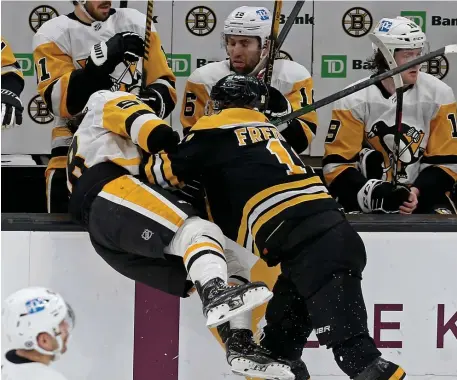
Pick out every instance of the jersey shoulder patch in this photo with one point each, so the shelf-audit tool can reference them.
(211, 73)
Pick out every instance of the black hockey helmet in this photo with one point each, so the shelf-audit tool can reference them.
(237, 91)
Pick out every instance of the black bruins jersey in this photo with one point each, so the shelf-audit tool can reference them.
(253, 179)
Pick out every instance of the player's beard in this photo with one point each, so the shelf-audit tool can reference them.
(95, 12)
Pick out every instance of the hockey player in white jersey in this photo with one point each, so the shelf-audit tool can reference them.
(37, 323)
(96, 47)
(359, 145)
(245, 36)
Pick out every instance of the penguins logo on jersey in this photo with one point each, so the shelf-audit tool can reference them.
(125, 75)
(283, 55)
(201, 21)
(381, 137)
(438, 67)
(357, 22)
(40, 15)
(38, 111)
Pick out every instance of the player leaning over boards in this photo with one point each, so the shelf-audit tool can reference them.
(245, 36)
(359, 145)
(96, 47)
(12, 86)
(262, 196)
(37, 324)
(142, 231)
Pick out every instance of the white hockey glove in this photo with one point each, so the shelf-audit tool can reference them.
(11, 109)
(381, 197)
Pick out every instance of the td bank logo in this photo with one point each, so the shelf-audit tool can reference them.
(26, 62)
(418, 17)
(179, 64)
(334, 66)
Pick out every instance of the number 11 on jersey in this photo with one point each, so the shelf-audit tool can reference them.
(275, 147)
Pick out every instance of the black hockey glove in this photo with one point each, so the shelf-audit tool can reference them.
(11, 109)
(105, 56)
(381, 197)
(278, 105)
(153, 99)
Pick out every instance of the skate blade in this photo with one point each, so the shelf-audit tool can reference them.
(249, 368)
(251, 299)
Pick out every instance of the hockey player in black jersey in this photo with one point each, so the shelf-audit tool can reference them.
(262, 196)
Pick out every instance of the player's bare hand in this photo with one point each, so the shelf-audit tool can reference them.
(411, 204)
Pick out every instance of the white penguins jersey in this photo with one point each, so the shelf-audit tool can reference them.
(290, 78)
(18, 368)
(63, 44)
(116, 127)
(367, 118)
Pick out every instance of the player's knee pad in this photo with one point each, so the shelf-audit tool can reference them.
(237, 273)
(193, 231)
(337, 310)
(288, 324)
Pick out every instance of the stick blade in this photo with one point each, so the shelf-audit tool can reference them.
(449, 49)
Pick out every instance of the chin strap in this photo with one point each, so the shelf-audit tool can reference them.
(83, 8)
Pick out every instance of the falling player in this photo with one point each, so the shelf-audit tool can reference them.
(262, 196)
(12, 86)
(245, 37)
(359, 145)
(37, 323)
(96, 47)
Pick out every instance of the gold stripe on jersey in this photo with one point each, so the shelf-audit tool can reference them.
(131, 118)
(344, 140)
(280, 208)
(336, 170)
(260, 197)
(229, 117)
(296, 100)
(8, 60)
(52, 64)
(127, 161)
(193, 104)
(159, 171)
(55, 163)
(129, 192)
(168, 172)
(158, 68)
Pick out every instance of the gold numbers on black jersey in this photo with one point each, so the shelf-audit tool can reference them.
(284, 157)
(333, 129)
(453, 120)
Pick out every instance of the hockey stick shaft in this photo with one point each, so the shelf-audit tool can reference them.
(288, 25)
(360, 86)
(147, 41)
(273, 37)
(282, 35)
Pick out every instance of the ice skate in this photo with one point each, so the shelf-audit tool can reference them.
(222, 302)
(382, 369)
(249, 359)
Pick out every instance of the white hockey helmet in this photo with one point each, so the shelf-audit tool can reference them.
(248, 21)
(34, 310)
(399, 33)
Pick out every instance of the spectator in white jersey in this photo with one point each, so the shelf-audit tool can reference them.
(37, 323)
(359, 147)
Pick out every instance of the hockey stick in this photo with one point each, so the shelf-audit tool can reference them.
(282, 36)
(147, 38)
(449, 49)
(273, 37)
(398, 82)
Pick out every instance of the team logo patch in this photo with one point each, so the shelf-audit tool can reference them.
(201, 21)
(357, 22)
(38, 111)
(40, 15)
(438, 67)
(283, 55)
